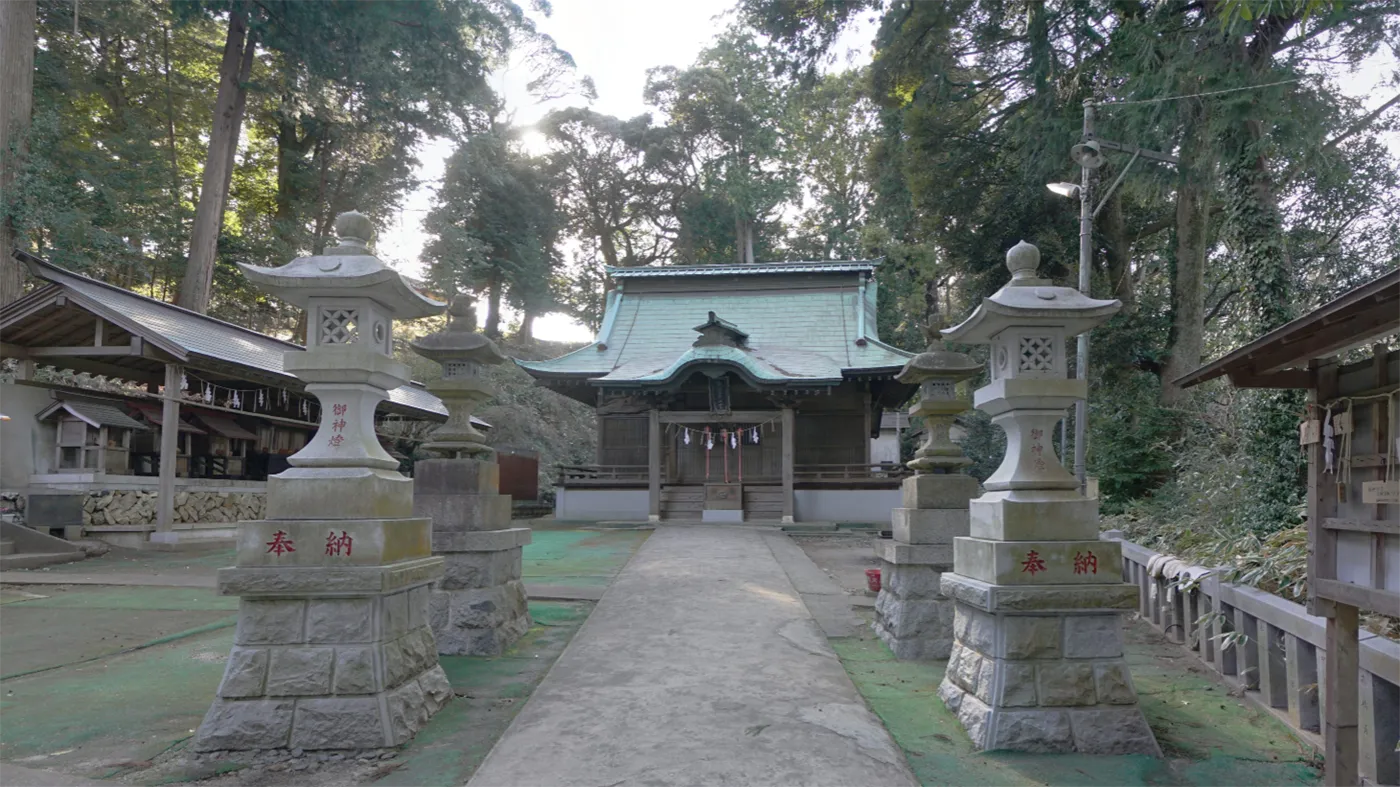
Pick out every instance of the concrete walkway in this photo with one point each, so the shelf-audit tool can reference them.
(700, 666)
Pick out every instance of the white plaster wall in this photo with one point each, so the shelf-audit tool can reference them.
(597, 505)
(885, 448)
(845, 505)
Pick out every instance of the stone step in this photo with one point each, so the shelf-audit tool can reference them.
(37, 559)
(7, 547)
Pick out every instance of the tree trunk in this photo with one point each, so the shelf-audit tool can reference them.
(527, 325)
(218, 166)
(493, 308)
(1118, 252)
(16, 108)
(1185, 342)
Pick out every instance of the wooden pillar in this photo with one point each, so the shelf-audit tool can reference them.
(789, 426)
(654, 465)
(1340, 730)
(169, 449)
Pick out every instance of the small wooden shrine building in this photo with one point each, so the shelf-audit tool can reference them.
(237, 414)
(1350, 432)
(734, 392)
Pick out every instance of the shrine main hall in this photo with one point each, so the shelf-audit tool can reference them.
(734, 393)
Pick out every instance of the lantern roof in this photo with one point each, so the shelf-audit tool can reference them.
(1031, 302)
(460, 342)
(347, 269)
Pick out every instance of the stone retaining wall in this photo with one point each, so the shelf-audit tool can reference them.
(139, 508)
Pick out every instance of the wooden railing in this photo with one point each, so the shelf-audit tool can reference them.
(600, 475)
(865, 471)
(1269, 647)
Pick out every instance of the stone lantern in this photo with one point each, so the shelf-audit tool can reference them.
(333, 648)
(479, 606)
(912, 616)
(1037, 662)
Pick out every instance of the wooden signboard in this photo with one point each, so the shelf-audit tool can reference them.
(1309, 432)
(1381, 493)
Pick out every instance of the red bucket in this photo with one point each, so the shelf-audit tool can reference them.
(872, 580)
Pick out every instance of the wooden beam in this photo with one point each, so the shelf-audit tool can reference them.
(1339, 730)
(1363, 525)
(107, 370)
(87, 352)
(1360, 596)
(1380, 443)
(789, 417)
(654, 465)
(1289, 378)
(738, 416)
(169, 448)
(1322, 497)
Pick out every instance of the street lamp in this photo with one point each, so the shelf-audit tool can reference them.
(1089, 155)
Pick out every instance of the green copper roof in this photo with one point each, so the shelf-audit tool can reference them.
(747, 269)
(798, 335)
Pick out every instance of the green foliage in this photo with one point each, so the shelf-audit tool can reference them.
(495, 227)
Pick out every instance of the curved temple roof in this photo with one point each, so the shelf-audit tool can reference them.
(817, 331)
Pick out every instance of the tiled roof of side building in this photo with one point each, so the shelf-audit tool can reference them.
(793, 335)
(207, 336)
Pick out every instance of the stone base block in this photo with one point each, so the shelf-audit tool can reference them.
(327, 581)
(479, 622)
(1054, 682)
(304, 492)
(1090, 730)
(1089, 562)
(481, 540)
(914, 628)
(455, 513)
(474, 570)
(390, 718)
(321, 670)
(722, 515)
(456, 477)
(1038, 515)
(928, 525)
(912, 580)
(914, 554)
(987, 597)
(939, 490)
(332, 542)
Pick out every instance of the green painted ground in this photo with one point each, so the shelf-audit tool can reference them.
(1209, 737)
(52, 626)
(113, 717)
(586, 558)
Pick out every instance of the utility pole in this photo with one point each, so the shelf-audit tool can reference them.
(1088, 154)
(1086, 263)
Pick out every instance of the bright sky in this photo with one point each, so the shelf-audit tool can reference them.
(613, 41)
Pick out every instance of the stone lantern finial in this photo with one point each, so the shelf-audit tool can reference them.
(353, 229)
(1023, 260)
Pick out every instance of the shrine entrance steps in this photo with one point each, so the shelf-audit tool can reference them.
(686, 502)
(701, 665)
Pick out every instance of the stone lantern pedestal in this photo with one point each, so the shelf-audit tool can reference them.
(333, 648)
(479, 606)
(1037, 661)
(912, 616)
